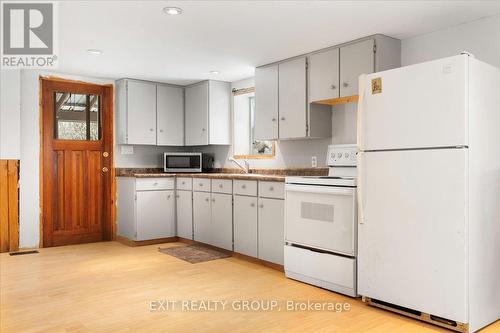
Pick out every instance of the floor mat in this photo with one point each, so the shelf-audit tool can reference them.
(194, 253)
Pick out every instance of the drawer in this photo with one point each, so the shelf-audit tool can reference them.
(184, 183)
(201, 184)
(222, 186)
(274, 190)
(151, 184)
(324, 270)
(245, 187)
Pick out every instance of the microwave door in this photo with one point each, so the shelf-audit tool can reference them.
(182, 163)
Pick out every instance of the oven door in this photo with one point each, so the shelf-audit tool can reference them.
(321, 217)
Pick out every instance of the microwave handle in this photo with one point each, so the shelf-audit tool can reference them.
(319, 189)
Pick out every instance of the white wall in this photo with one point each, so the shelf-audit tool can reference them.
(10, 114)
(480, 37)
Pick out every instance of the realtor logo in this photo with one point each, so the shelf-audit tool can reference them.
(28, 35)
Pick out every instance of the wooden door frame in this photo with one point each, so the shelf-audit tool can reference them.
(109, 225)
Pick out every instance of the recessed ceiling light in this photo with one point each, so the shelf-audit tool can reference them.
(214, 72)
(172, 10)
(94, 51)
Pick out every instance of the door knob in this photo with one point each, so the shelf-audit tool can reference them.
(105, 154)
(105, 169)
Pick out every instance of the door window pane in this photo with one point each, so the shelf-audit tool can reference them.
(77, 116)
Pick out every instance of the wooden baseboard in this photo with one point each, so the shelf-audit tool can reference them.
(130, 242)
(237, 255)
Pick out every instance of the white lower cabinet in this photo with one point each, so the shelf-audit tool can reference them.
(145, 208)
(213, 219)
(222, 221)
(245, 225)
(201, 217)
(270, 230)
(184, 214)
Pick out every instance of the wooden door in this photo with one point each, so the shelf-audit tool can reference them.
(196, 129)
(76, 179)
(222, 221)
(170, 115)
(355, 59)
(292, 99)
(324, 75)
(245, 225)
(266, 103)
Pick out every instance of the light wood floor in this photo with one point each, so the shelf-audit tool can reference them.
(107, 287)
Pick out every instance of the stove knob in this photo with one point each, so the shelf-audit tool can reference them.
(346, 155)
(339, 155)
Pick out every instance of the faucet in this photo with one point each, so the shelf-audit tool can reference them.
(245, 167)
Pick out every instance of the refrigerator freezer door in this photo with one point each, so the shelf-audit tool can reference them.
(418, 106)
(412, 246)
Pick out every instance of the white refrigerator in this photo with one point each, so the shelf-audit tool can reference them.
(429, 190)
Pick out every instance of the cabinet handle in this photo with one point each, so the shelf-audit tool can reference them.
(333, 86)
(282, 118)
(220, 185)
(213, 200)
(252, 205)
(243, 186)
(203, 129)
(261, 206)
(151, 130)
(274, 119)
(177, 196)
(161, 131)
(168, 196)
(271, 188)
(206, 199)
(200, 184)
(155, 183)
(183, 183)
(345, 85)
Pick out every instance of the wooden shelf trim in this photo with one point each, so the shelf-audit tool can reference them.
(335, 101)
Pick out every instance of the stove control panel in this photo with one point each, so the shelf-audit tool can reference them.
(342, 155)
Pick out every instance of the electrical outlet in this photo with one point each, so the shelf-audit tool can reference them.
(314, 161)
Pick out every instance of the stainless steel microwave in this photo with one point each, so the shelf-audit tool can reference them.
(186, 162)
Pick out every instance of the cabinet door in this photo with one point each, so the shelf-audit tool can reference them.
(184, 214)
(196, 126)
(324, 75)
(155, 214)
(170, 115)
(219, 101)
(245, 225)
(201, 217)
(141, 113)
(266, 102)
(222, 221)
(271, 224)
(355, 59)
(292, 99)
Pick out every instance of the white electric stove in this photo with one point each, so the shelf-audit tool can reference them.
(321, 224)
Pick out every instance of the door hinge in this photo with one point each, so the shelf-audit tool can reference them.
(374, 48)
(135, 197)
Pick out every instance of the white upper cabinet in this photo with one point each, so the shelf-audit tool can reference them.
(292, 99)
(324, 75)
(355, 59)
(266, 102)
(208, 113)
(197, 114)
(136, 104)
(170, 115)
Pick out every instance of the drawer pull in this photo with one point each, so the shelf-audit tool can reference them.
(201, 184)
(220, 185)
(168, 196)
(183, 183)
(261, 206)
(155, 183)
(213, 200)
(243, 186)
(252, 205)
(271, 188)
(206, 199)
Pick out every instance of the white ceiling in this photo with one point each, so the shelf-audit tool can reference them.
(232, 37)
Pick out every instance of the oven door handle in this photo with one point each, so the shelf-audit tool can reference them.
(320, 189)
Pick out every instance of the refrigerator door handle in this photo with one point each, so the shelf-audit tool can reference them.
(361, 201)
(361, 92)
